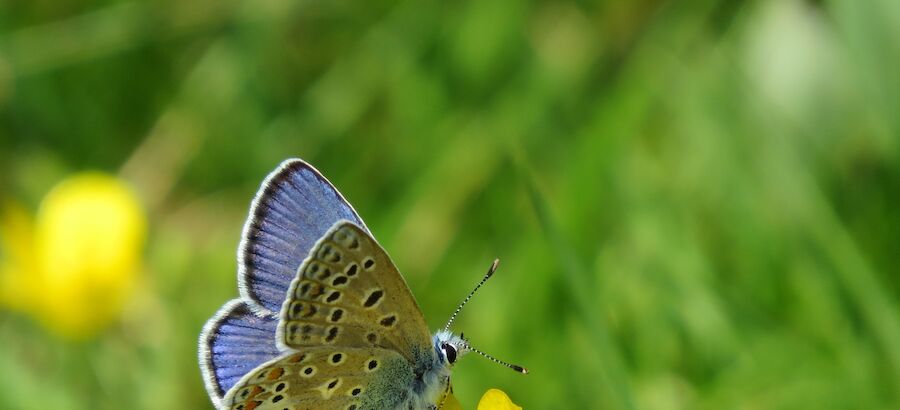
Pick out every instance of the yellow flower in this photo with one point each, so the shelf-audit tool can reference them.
(76, 265)
(493, 399)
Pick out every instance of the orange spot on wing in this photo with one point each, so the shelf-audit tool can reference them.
(276, 373)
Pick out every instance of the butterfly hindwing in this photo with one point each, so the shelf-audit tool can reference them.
(349, 293)
(346, 378)
(293, 208)
(234, 342)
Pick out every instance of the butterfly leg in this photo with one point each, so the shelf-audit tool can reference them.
(447, 392)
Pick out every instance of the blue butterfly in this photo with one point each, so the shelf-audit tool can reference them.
(324, 319)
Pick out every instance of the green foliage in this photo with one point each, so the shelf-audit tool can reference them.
(694, 203)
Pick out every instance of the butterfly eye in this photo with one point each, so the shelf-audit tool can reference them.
(450, 352)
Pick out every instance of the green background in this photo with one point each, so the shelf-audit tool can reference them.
(694, 202)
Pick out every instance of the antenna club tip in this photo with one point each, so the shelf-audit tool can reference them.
(494, 266)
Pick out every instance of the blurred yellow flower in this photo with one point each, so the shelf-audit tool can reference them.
(76, 264)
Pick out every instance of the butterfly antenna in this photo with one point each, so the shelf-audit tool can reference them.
(515, 367)
(466, 300)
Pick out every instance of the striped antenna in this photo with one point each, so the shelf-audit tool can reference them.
(466, 300)
(515, 367)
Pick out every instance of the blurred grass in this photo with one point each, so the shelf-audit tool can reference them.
(694, 203)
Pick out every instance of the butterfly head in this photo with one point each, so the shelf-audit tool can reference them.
(449, 347)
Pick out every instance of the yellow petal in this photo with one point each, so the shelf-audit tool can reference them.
(89, 236)
(495, 399)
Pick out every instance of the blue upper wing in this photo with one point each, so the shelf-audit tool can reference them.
(294, 207)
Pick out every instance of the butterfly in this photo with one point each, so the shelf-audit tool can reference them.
(324, 319)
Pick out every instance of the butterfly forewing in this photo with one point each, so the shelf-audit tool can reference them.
(294, 207)
(349, 293)
(326, 378)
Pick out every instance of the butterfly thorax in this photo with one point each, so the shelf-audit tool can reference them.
(432, 371)
(448, 348)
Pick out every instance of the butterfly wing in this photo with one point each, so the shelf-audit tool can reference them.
(293, 208)
(234, 342)
(349, 293)
(326, 378)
